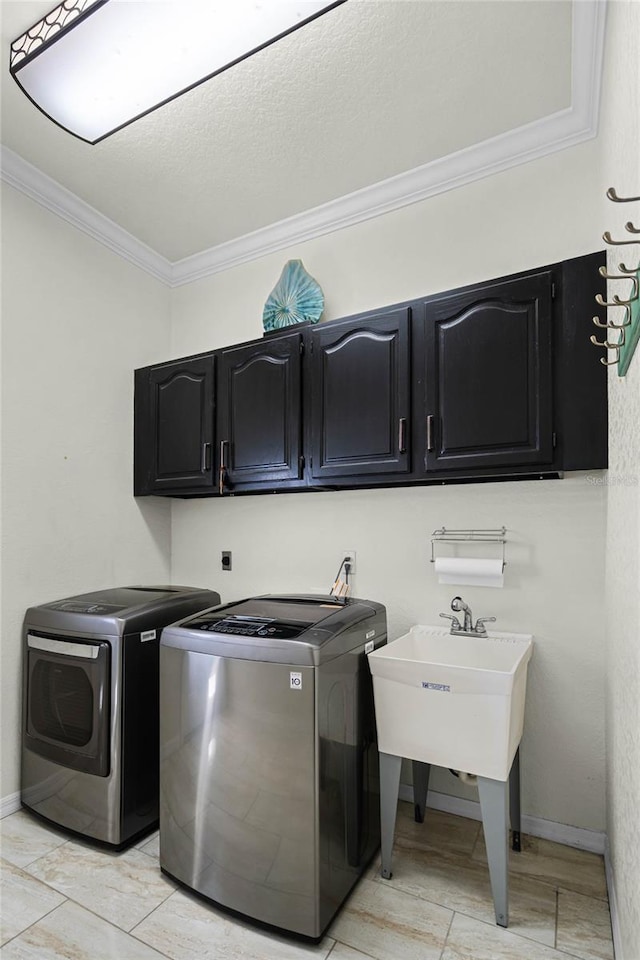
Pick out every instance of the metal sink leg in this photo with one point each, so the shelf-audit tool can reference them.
(420, 788)
(494, 804)
(514, 801)
(389, 787)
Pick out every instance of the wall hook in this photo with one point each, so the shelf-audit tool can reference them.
(603, 303)
(606, 236)
(630, 227)
(629, 270)
(624, 303)
(622, 276)
(612, 195)
(605, 343)
(609, 325)
(616, 302)
(611, 363)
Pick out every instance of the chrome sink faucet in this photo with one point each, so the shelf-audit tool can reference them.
(466, 629)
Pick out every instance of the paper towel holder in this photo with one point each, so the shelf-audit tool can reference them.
(444, 535)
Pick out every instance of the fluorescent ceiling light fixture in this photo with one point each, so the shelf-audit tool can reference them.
(94, 66)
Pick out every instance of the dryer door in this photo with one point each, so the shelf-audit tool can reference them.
(67, 701)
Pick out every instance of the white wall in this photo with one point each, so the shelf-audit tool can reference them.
(525, 217)
(621, 168)
(76, 320)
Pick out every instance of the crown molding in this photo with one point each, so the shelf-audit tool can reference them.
(35, 184)
(560, 130)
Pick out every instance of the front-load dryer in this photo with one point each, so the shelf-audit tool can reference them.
(269, 787)
(90, 760)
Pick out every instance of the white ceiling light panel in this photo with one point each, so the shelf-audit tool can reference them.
(94, 66)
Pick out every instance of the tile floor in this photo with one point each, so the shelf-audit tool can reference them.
(63, 899)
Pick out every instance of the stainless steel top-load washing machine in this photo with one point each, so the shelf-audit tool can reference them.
(90, 758)
(269, 793)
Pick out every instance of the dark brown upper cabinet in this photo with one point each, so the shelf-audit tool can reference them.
(259, 413)
(489, 376)
(360, 397)
(174, 427)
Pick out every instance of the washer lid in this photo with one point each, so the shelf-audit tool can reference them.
(278, 618)
(295, 629)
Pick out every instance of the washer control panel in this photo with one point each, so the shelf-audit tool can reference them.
(251, 627)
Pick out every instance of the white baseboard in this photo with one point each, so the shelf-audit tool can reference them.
(613, 905)
(9, 805)
(591, 840)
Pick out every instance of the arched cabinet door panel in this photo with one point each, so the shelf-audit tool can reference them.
(259, 412)
(489, 375)
(360, 396)
(174, 407)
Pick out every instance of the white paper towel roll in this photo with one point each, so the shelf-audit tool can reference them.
(470, 571)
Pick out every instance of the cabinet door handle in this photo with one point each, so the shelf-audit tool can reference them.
(206, 457)
(430, 432)
(402, 435)
(223, 467)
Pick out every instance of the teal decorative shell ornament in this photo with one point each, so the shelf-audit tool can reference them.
(296, 298)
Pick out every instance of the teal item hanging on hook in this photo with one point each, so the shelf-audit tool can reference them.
(296, 298)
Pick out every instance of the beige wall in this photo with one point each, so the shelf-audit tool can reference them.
(76, 320)
(621, 168)
(523, 218)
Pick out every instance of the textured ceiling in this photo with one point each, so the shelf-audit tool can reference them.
(368, 91)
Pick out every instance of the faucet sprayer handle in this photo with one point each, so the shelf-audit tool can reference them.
(455, 623)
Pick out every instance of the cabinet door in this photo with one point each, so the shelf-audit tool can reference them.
(360, 396)
(489, 376)
(174, 437)
(259, 411)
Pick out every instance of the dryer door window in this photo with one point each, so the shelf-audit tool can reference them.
(67, 702)
(61, 703)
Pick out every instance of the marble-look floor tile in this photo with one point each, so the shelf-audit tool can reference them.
(383, 923)
(439, 831)
(342, 952)
(122, 888)
(23, 900)
(150, 845)
(183, 928)
(463, 885)
(73, 933)
(471, 939)
(584, 926)
(24, 839)
(555, 863)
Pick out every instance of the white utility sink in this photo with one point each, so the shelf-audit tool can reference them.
(452, 701)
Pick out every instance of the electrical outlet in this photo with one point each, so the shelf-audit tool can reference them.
(352, 561)
(226, 559)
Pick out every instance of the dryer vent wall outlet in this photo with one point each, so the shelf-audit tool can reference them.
(226, 559)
